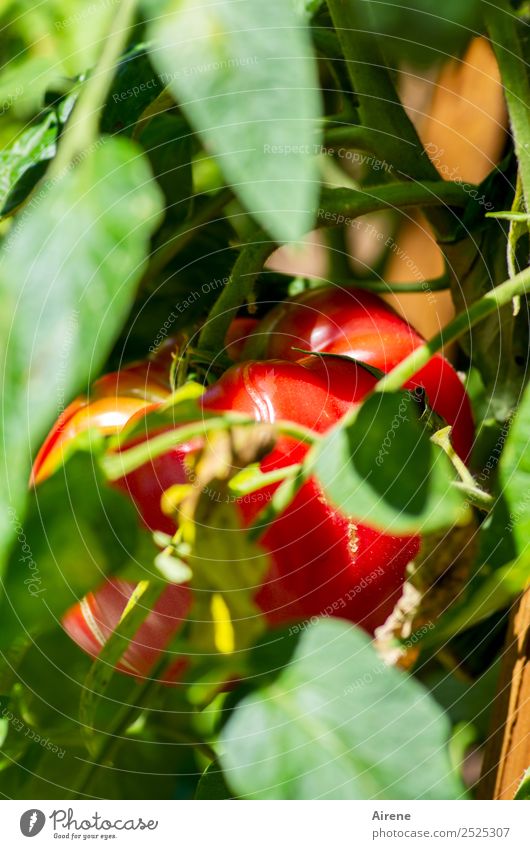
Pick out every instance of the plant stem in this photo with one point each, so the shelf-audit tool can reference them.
(437, 284)
(338, 204)
(186, 232)
(82, 128)
(122, 720)
(489, 303)
(502, 27)
(476, 496)
(238, 289)
(352, 136)
(380, 108)
(117, 465)
(467, 483)
(337, 207)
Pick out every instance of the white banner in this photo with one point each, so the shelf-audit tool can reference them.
(262, 825)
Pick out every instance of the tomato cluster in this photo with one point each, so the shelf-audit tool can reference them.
(320, 560)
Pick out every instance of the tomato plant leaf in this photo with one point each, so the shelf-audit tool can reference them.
(383, 469)
(212, 784)
(66, 297)
(75, 532)
(31, 150)
(338, 724)
(167, 142)
(134, 87)
(514, 478)
(245, 76)
(523, 791)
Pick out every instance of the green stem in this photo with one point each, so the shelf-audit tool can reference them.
(114, 734)
(475, 495)
(242, 485)
(488, 304)
(442, 438)
(117, 465)
(328, 47)
(338, 264)
(237, 290)
(357, 137)
(437, 284)
(82, 128)
(185, 233)
(338, 205)
(380, 108)
(502, 26)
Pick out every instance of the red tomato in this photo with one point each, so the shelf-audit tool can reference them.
(114, 399)
(322, 563)
(237, 334)
(358, 324)
(91, 622)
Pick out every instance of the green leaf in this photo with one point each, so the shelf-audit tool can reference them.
(27, 155)
(167, 142)
(523, 791)
(338, 724)
(383, 469)
(464, 701)
(134, 87)
(67, 278)
(488, 594)
(77, 530)
(245, 76)
(24, 162)
(514, 477)
(212, 784)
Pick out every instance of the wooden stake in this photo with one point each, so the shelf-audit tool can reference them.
(507, 753)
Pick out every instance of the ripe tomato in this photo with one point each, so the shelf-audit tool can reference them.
(358, 324)
(91, 621)
(114, 399)
(321, 562)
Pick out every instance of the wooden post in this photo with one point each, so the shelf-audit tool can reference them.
(507, 753)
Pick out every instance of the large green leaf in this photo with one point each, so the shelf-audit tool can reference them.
(212, 784)
(76, 530)
(134, 87)
(67, 280)
(383, 469)
(514, 478)
(338, 724)
(245, 76)
(167, 141)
